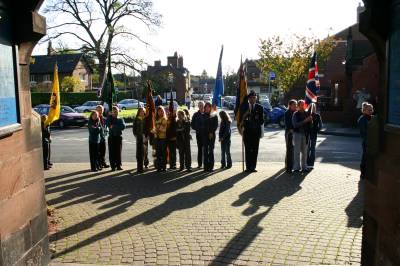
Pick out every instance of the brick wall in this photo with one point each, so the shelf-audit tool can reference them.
(23, 216)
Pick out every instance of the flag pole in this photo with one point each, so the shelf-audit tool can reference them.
(242, 154)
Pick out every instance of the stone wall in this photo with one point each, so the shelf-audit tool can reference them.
(23, 217)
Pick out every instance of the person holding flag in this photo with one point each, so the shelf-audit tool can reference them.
(46, 121)
(219, 83)
(252, 121)
(149, 123)
(312, 85)
(171, 134)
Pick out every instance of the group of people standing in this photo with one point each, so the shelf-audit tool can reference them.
(99, 129)
(301, 130)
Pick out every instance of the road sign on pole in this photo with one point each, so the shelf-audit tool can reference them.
(272, 76)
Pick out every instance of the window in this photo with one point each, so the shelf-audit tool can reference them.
(9, 106)
(82, 76)
(32, 78)
(46, 78)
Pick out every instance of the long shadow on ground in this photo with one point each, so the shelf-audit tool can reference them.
(177, 202)
(266, 194)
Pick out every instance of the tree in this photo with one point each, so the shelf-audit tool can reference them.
(204, 75)
(290, 60)
(70, 84)
(99, 24)
(230, 83)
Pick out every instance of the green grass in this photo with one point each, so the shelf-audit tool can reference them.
(131, 113)
(122, 113)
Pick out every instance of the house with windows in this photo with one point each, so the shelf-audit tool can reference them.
(69, 65)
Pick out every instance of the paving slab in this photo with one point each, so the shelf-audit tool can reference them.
(225, 217)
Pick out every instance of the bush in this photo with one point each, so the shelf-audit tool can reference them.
(70, 84)
(73, 98)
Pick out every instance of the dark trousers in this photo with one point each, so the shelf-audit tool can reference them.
(311, 150)
(139, 153)
(185, 157)
(200, 152)
(226, 153)
(209, 154)
(102, 152)
(172, 153)
(146, 151)
(289, 151)
(114, 151)
(251, 144)
(46, 153)
(94, 155)
(363, 165)
(161, 153)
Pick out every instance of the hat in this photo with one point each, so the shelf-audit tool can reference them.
(252, 94)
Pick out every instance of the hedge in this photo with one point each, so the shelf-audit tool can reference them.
(73, 98)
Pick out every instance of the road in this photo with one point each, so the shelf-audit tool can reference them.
(71, 146)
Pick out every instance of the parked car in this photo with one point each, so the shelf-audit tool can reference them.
(230, 102)
(275, 115)
(68, 116)
(87, 106)
(129, 104)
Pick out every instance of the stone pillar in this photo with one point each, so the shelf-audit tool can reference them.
(23, 216)
(381, 222)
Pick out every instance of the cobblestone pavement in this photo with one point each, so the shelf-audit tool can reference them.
(228, 217)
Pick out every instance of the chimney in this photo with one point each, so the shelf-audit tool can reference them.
(360, 9)
(157, 63)
(173, 60)
(50, 50)
(180, 62)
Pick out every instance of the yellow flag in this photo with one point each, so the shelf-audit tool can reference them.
(54, 110)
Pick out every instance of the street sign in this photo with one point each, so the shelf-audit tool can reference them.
(272, 76)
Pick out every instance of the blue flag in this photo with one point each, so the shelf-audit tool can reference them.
(219, 83)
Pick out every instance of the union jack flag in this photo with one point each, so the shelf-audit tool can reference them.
(313, 85)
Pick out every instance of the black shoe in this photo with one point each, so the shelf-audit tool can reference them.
(288, 171)
(94, 170)
(199, 166)
(112, 169)
(181, 169)
(50, 164)
(229, 167)
(119, 168)
(222, 167)
(254, 171)
(247, 170)
(105, 165)
(46, 168)
(189, 170)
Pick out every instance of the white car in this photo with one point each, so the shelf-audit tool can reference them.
(87, 106)
(130, 104)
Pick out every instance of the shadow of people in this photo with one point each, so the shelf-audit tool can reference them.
(177, 202)
(355, 208)
(266, 194)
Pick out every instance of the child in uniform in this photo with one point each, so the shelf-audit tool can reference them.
(183, 141)
(139, 130)
(160, 136)
(225, 139)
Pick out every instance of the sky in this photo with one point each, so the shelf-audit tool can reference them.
(196, 29)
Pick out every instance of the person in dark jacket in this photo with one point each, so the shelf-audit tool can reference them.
(45, 142)
(315, 127)
(116, 126)
(253, 122)
(183, 138)
(158, 101)
(138, 129)
(95, 129)
(367, 111)
(208, 134)
(171, 140)
(103, 135)
(225, 139)
(198, 126)
(301, 126)
(292, 106)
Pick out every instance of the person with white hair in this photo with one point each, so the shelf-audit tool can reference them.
(363, 122)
